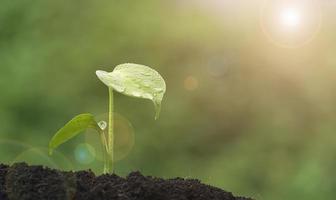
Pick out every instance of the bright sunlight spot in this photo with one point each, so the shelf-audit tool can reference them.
(290, 17)
(290, 23)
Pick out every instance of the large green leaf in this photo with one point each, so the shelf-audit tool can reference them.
(71, 129)
(136, 81)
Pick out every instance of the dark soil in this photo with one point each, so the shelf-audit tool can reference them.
(24, 182)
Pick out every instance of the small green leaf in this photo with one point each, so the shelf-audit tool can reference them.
(136, 81)
(71, 129)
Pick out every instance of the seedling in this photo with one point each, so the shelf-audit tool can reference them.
(133, 80)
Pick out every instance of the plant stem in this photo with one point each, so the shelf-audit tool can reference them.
(104, 150)
(110, 133)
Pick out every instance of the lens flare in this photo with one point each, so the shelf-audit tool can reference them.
(35, 156)
(123, 135)
(290, 24)
(12, 151)
(290, 17)
(85, 153)
(190, 83)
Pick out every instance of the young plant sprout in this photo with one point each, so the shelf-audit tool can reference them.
(133, 80)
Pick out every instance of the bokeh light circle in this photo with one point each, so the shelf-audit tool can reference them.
(85, 153)
(290, 17)
(190, 83)
(123, 137)
(219, 64)
(290, 23)
(14, 151)
(35, 156)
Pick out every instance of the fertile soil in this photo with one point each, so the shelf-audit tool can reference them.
(24, 182)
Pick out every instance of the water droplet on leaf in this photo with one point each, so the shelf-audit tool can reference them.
(136, 94)
(136, 81)
(158, 89)
(147, 96)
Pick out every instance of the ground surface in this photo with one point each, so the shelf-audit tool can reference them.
(24, 182)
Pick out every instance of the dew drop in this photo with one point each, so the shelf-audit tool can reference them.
(147, 96)
(145, 74)
(146, 84)
(121, 89)
(102, 125)
(136, 94)
(157, 105)
(158, 89)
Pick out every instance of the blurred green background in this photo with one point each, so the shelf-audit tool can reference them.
(250, 104)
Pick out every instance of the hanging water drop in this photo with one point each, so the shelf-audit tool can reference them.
(157, 105)
(102, 125)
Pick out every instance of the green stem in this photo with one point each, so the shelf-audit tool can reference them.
(110, 132)
(104, 150)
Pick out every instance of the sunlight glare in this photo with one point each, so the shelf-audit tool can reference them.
(290, 23)
(290, 17)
